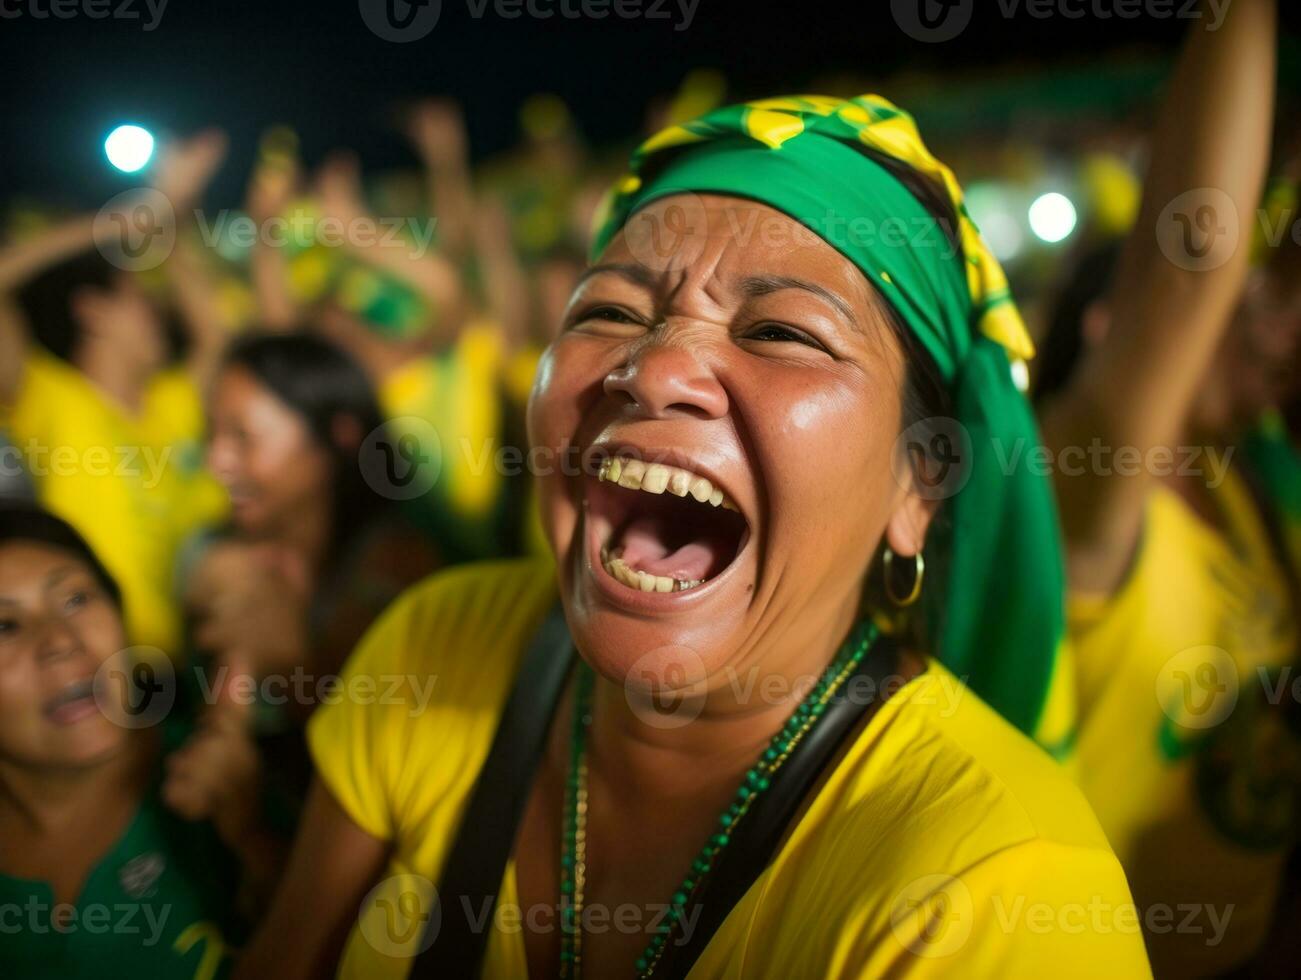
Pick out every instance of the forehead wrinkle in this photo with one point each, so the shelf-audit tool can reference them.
(698, 284)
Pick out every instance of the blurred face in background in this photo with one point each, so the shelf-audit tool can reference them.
(124, 320)
(58, 625)
(265, 455)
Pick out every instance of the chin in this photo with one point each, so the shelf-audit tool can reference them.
(84, 750)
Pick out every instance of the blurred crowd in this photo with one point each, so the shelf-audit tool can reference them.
(260, 425)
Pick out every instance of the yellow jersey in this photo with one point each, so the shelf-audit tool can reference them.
(134, 486)
(1176, 670)
(943, 840)
(460, 406)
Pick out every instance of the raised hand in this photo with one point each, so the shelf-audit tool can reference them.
(186, 166)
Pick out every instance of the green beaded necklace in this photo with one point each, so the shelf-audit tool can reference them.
(573, 854)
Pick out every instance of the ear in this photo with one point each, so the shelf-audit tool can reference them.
(345, 432)
(905, 531)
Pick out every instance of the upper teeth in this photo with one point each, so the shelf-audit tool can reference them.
(656, 478)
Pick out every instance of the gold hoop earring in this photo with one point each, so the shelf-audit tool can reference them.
(919, 573)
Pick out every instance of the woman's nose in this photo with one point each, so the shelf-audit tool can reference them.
(58, 640)
(665, 376)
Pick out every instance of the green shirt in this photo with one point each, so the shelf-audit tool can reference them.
(158, 905)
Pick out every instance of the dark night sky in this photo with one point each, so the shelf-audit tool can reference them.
(316, 66)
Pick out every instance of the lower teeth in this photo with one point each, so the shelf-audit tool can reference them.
(644, 581)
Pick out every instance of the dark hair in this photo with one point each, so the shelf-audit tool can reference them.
(45, 300)
(22, 521)
(320, 383)
(927, 402)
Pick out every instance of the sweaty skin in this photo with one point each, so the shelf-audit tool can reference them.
(759, 357)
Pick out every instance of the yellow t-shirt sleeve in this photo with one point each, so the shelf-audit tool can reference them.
(351, 737)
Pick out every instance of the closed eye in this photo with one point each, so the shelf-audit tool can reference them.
(611, 313)
(783, 333)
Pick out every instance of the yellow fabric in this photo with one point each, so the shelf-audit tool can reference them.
(1191, 592)
(135, 487)
(943, 829)
(458, 394)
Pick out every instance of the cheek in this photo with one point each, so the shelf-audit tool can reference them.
(285, 462)
(101, 632)
(569, 380)
(20, 712)
(825, 445)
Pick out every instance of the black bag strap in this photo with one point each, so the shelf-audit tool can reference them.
(755, 839)
(473, 871)
(477, 861)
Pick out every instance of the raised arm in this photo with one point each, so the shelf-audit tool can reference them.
(416, 263)
(1181, 273)
(333, 865)
(184, 170)
(271, 188)
(505, 284)
(437, 131)
(18, 263)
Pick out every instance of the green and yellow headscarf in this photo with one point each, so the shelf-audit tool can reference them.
(1001, 626)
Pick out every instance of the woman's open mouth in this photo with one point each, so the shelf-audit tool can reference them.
(662, 528)
(74, 703)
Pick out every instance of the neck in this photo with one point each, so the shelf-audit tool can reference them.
(120, 378)
(307, 531)
(43, 801)
(736, 719)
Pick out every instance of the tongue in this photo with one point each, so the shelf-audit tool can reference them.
(644, 549)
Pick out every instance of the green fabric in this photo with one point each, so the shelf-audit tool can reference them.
(1002, 622)
(159, 904)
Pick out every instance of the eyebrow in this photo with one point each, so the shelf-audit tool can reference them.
(765, 284)
(62, 572)
(638, 273)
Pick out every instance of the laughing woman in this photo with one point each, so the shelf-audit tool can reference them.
(689, 745)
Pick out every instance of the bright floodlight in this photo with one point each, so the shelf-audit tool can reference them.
(1052, 217)
(129, 148)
